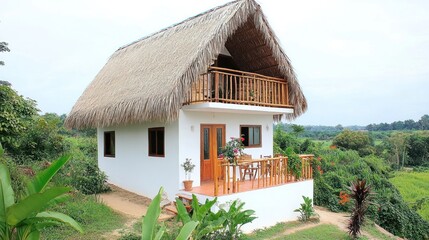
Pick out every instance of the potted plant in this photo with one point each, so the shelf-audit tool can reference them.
(233, 150)
(188, 166)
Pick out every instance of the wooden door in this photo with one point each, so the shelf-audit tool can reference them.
(212, 140)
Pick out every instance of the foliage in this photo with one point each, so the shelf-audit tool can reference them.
(96, 218)
(25, 218)
(418, 149)
(422, 124)
(224, 224)
(283, 140)
(360, 193)
(41, 140)
(235, 218)
(188, 166)
(16, 113)
(354, 140)
(294, 163)
(341, 167)
(306, 210)
(89, 179)
(414, 188)
(3, 48)
(149, 222)
(233, 150)
(208, 222)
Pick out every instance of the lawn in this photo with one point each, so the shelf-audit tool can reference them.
(95, 218)
(414, 186)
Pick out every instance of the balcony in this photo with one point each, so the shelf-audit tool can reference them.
(253, 174)
(221, 85)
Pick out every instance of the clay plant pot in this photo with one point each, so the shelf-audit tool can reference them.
(188, 185)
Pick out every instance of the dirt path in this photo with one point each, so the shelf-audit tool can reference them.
(129, 204)
(134, 206)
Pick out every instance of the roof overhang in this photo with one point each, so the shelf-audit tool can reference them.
(236, 108)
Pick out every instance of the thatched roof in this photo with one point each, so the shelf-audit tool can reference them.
(146, 80)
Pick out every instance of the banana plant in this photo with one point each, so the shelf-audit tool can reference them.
(150, 222)
(24, 219)
(208, 222)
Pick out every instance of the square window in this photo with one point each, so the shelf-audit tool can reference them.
(109, 144)
(156, 142)
(251, 134)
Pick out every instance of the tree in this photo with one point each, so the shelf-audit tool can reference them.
(424, 122)
(297, 129)
(397, 145)
(354, 140)
(16, 112)
(3, 48)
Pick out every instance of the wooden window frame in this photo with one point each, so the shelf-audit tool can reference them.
(110, 134)
(260, 135)
(150, 141)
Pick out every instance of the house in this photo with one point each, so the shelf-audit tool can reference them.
(182, 93)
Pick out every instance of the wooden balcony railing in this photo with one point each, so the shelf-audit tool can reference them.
(238, 87)
(258, 173)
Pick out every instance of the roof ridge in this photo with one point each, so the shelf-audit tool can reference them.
(180, 23)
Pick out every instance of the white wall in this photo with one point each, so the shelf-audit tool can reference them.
(189, 135)
(271, 205)
(132, 168)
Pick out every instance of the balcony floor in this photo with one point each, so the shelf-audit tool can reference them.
(207, 187)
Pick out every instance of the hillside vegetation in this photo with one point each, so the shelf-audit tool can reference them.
(414, 187)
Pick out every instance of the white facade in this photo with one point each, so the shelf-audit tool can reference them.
(271, 205)
(133, 169)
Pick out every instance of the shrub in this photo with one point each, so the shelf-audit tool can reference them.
(89, 179)
(306, 210)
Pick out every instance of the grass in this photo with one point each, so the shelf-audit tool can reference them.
(414, 186)
(95, 218)
(370, 227)
(322, 231)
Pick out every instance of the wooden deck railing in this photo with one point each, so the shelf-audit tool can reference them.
(258, 173)
(238, 87)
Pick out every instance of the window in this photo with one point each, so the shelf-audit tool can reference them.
(251, 135)
(156, 142)
(109, 144)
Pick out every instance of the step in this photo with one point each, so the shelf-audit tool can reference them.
(171, 208)
(186, 197)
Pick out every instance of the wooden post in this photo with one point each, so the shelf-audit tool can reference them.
(216, 86)
(215, 177)
(234, 180)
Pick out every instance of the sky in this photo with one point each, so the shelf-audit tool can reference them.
(358, 62)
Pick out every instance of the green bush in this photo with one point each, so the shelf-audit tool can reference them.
(89, 179)
(389, 209)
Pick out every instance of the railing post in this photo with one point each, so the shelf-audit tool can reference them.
(216, 86)
(234, 180)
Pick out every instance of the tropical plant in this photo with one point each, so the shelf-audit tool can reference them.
(25, 218)
(208, 222)
(306, 210)
(150, 222)
(235, 218)
(188, 166)
(233, 150)
(360, 193)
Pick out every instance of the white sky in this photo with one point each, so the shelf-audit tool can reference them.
(358, 62)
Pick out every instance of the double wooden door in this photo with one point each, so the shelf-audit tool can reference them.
(212, 140)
